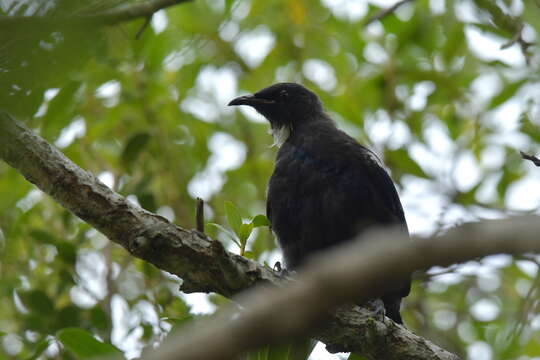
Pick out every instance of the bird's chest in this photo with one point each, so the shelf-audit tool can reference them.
(306, 197)
(299, 173)
(306, 188)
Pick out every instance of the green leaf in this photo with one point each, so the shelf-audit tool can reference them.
(245, 231)
(147, 201)
(261, 354)
(233, 217)
(529, 128)
(301, 349)
(60, 110)
(280, 352)
(400, 160)
(455, 43)
(38, 301)
(228, 232)
(506, 93)
(468, 197)
(40, 348)
(133, 147)
(509, 175)
(148, 331)
(297, 350)
(354, 356)
(68, 316)
(67, 252)
(260, 220)
(83, 345)
(43, 237)
(99, 319)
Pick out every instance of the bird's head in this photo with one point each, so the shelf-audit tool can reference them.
(283, 104)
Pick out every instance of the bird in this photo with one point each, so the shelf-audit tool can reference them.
(326, 188)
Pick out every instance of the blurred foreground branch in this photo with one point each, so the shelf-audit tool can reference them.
(118, 14)
(205, 266)
(366, 269)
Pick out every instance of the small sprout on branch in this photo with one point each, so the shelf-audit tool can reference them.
(147, 21)
(240, 230)
(200, 215)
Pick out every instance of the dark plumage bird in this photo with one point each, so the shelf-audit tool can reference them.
(326, 188)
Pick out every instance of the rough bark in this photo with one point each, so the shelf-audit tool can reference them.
(203, 264)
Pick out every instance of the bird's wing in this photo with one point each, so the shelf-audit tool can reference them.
(388, 206)
(269, 210)
(385, 190)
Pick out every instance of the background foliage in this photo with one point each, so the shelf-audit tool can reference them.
(428, 87)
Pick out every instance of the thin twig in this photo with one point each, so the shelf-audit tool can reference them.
(144, 26)
(534, 159)
(385, 12)
(113, 16)
(523, 44)
(528, 306)
(200, 215)
(512, 25)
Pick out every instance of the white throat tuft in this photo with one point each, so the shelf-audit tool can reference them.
(280, 135)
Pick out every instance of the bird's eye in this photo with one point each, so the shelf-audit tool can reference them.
(283, 95)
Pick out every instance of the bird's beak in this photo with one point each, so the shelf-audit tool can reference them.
(250, 100)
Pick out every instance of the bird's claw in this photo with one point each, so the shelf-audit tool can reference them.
(200, 233)
(376, 307)
(282, 272)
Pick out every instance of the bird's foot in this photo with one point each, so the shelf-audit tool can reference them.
(200, 233)
(282, 272)
(376, 307)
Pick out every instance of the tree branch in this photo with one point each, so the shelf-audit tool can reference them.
(385, 12)
(367, 267)
(508, 23)
(188, 254)
(203, 264)
(532, 158)
(113, 16)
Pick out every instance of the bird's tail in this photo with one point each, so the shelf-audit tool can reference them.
(392, 305)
